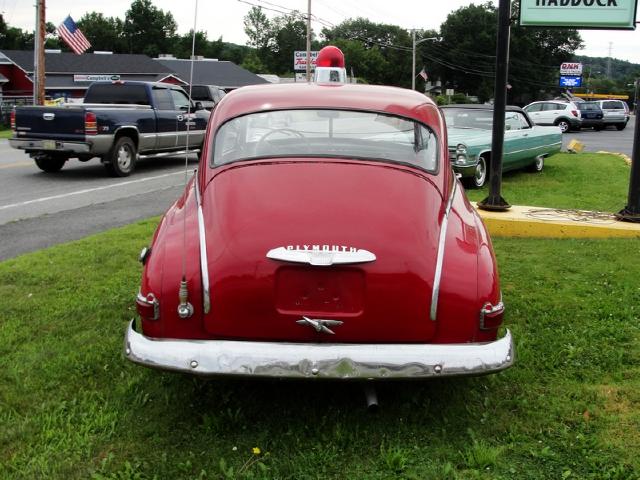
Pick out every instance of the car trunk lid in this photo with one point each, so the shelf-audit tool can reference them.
(355, 242)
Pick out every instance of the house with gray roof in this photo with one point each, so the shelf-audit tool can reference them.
(206, 71)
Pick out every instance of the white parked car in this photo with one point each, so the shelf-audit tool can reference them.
(565, 115)
(616, 113)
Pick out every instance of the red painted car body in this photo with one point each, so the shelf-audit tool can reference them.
(324, 235)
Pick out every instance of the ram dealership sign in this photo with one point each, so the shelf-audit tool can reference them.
(569, 68)
(599, 14)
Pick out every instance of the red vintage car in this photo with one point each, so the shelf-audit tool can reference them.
(324, 235)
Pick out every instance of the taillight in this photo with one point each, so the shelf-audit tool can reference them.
(13, 120)
(491, 315)
(90, 124)
(575, 113)
(148, 306)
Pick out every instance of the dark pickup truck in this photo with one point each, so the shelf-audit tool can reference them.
(118, 122)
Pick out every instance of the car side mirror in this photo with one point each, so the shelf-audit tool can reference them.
(198, 106)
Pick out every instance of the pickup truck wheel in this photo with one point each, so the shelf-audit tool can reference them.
(620, 126)
(49, 163)
(121, 159)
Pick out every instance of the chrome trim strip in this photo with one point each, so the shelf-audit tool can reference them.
(319, 360)
(319, 257)
(204, 263)
(440, 258)
(61, 145)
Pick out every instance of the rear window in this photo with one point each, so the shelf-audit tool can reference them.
(200, 92)
(611, 105)
(588, 106)
(117, 93)
(326, 134)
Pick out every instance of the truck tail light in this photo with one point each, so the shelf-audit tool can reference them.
(491, 315)
(90, 124)
(13, 120)
(574, 112)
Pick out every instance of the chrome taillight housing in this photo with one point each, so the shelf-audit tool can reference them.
(148, 306)
(491, 315)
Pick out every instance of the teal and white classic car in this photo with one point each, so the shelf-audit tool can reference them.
(526, 145)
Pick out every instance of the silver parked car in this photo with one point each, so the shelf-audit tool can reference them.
(616, 113)
(555, 112)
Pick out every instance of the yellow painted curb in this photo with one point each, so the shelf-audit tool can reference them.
(521, 221)
(626, 158)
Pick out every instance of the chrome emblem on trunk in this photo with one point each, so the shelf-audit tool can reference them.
(321, 255)
(320, 325)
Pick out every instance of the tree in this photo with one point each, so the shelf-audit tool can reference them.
(289, 33)
(12, 38)
(148, 29)
(104, 33)
(257, 27)
(389, 45)
(466, 56)
(182, 45)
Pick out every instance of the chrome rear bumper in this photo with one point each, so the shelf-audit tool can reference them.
(329, 361)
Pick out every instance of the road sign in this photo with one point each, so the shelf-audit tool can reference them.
(597, 14)
(570, 81)
(569, 68)
(300, 59)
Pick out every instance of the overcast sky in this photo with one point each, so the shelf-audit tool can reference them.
(224, 17)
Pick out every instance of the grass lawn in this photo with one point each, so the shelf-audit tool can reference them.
(72, 407)
(6, 133)
(588, 181)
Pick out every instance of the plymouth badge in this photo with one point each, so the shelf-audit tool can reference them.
(321, 255)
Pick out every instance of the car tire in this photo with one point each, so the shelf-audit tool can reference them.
(480, 174)
(621, 126)
(564, 125)
(538, 165)
(598, 128)
(121, 159)
(50, 163)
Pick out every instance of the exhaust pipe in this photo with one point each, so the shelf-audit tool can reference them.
(371, 398)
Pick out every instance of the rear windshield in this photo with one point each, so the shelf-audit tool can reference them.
(326, 133)
(117, 93)
(200, 92)
(588, 106)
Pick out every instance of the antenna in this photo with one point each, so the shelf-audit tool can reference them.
(185, 309)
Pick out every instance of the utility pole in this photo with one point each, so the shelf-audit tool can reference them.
(495, 201)
(38, 55)
(309, 41)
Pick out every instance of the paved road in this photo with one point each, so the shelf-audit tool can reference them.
(609, 140)
(38, 209)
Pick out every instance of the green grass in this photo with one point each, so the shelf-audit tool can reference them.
(72, 407)
(6, 133)
(588, 181)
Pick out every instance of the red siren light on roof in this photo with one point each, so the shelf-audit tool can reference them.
(330, 66)
(330, 56)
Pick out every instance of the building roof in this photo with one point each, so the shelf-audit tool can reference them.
(211, 72)
(117, 63)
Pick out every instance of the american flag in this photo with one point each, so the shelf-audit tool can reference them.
(71, 34)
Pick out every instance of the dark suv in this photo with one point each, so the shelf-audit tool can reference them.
(591, 115)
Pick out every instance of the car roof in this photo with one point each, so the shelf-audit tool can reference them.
(256, 98)
(477, 106)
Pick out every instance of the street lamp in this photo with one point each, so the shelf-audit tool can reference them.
(413, 68)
